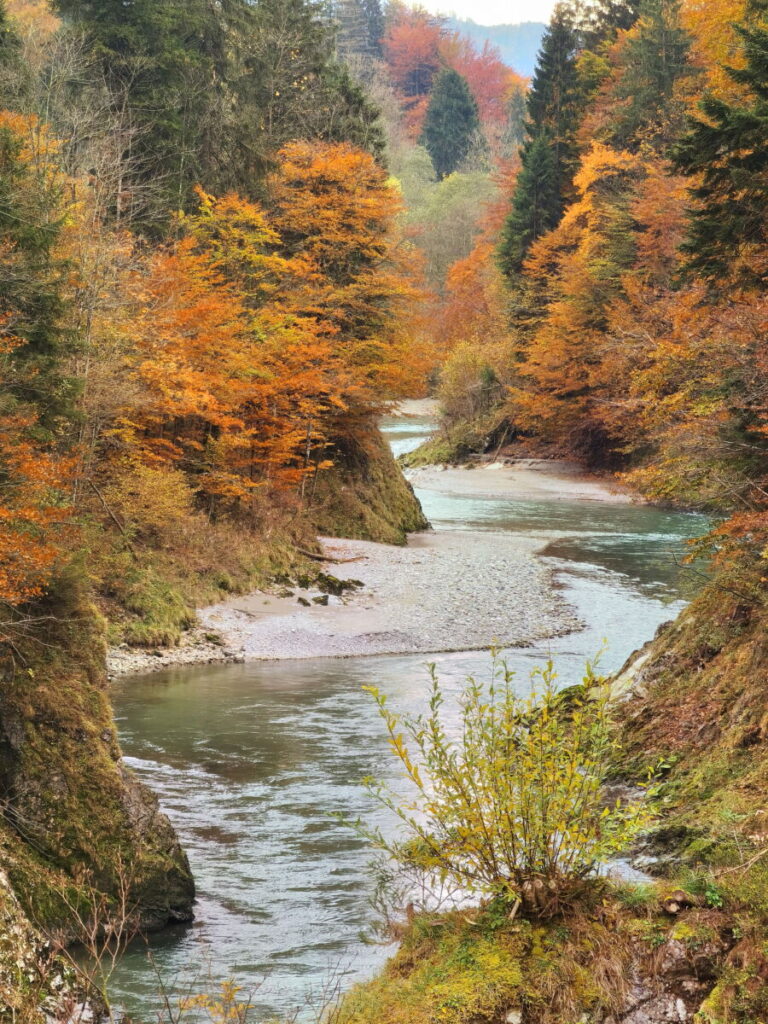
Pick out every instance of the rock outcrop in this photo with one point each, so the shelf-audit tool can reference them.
(75, 824)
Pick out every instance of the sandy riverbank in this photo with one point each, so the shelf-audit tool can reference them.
(450, 590)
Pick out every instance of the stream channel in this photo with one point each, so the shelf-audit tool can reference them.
(250, 760)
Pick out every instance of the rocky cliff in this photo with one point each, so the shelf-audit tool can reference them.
(77, 830)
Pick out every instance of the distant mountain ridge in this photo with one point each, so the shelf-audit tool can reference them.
(519, 44)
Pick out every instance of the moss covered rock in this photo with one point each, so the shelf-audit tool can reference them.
(365, 495)
(75, 821)
(37, 985)
(603, 964)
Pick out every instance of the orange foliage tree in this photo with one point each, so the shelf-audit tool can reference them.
(233, 384)
(489, 78)
(34, 393)
(715, 43)
(34, 513)
(260, 336)
(412, 54)
(416, 46)
(337, 213)
(580, 266)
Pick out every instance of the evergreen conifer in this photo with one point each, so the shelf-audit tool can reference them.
(536, 206)
(653, 60)
(727, 151)
(214, 90)
(374, 18)
(555, 100)
(452, 123)
(554, 110)
(352, 34)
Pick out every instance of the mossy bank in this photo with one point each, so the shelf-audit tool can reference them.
(365, 496)
(77, 829)
(692, 946)
(150, 579)
(622, 958)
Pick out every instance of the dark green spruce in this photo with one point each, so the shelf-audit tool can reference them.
(550, 155)
(646, 109)
(452, 124)
(727, 151)
(213, 91)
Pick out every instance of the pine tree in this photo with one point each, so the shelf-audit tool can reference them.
(536, 206)
(32, 275)
(214, 90)
(653, 60)
(554, 111)
(555, 100)
(727, 151)
(349, 115)
(604, 18)
(157, 62)
(352, 34)
(452, 122)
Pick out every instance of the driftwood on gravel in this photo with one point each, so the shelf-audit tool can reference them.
(328, 558)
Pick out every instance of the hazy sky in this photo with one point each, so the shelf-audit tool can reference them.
(494, 12)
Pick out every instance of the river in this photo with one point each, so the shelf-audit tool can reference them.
(250, 760)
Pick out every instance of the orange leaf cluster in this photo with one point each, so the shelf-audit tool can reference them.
(416, 46)
(262, 336)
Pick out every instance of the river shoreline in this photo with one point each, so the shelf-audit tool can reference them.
(414, 598)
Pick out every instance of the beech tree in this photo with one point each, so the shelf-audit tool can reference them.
(336, 212)
(412, 53)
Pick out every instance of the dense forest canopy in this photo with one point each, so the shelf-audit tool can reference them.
(239, 220)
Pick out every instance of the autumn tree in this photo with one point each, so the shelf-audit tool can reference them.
(213, 91)
(581, 265)
(335, 210)
(725, 152)
(488, 77)
(36, 398)
(452, 124)
(715, 42)
(412, 54)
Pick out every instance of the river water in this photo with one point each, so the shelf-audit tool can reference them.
(250, 760)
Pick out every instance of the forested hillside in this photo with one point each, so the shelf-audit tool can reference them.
(206, 303)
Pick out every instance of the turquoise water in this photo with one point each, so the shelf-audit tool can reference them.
(250, 760)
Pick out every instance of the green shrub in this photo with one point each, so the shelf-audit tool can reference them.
(512, 806)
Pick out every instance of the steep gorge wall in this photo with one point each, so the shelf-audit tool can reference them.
(365, 495)
(75, 825)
